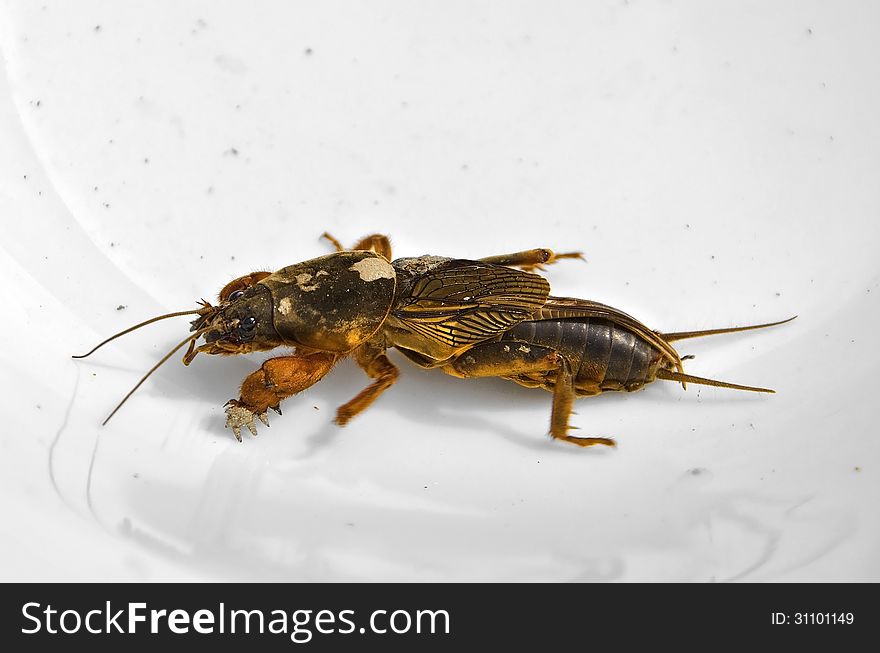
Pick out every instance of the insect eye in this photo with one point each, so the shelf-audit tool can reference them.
(235, 295)
(248, 323)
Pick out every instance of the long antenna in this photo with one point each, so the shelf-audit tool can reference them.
(193, 337)
(138, 326)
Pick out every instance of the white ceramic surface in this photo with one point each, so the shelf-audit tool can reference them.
(718, 163)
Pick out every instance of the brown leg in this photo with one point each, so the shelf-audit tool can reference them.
(276, 380)
(336, 244)
(531, 259)
(528, 365)
(373, 243)
(563, 397)
(506, 358)
(242, 283)
(375, 363)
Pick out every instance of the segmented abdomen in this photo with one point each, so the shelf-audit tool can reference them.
(603, 356)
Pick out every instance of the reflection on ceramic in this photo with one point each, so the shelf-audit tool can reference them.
(712, 179)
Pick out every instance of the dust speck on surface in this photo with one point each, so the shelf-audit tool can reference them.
(231, 64)
(308, 52)
(121, 307)
(697, 471)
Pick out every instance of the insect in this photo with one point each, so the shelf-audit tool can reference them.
(489, 317)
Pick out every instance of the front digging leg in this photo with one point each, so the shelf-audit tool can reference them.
(277, 379)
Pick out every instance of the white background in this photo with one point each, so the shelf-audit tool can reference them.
(717, 162)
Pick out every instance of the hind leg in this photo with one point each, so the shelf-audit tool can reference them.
(532, 366)
(563, 398)
(509, 359)
(531, 259)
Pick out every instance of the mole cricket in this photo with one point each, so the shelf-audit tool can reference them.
(469, 318)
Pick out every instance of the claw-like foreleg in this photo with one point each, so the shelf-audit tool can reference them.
(238, 415)
(277, 379)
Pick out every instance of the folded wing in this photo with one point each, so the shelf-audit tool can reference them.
(463, 302)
